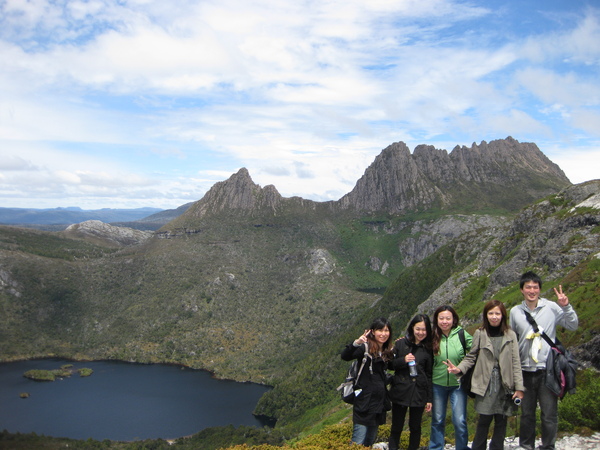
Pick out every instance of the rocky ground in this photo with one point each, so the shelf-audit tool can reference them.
(574, 442)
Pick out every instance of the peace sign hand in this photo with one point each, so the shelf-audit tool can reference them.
(563, 300)
(451, 367)
(362, 339)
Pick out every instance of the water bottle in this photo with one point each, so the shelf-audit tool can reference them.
(412, 368)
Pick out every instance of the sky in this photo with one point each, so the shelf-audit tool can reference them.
(149, 103)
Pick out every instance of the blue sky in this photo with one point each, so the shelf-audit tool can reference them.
(132, 103)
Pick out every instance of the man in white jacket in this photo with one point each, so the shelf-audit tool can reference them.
(533, 350)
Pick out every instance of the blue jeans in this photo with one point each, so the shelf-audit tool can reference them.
(362, 434)
(536, 391)
(458, 402)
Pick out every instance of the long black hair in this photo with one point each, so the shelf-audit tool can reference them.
(386, 349)
(410, 331)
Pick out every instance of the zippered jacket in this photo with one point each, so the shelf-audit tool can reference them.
(450, 349)
(407, 390)
(371, 404)
(547, 315)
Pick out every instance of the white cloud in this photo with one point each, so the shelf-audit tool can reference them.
(579, 44)
(586, 120)
(566, 89)
(133, 99)
(579, 165)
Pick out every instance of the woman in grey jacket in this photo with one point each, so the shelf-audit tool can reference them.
(497, 378)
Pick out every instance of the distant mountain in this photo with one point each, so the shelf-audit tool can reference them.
(502, 176)
(67, 216)
(165, 216)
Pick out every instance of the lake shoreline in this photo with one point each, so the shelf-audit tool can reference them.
(124, 400)
(164, 363)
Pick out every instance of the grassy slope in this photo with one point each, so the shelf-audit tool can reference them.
(137, 286)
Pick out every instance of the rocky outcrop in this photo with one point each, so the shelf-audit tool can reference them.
(395, 183)
(320, 261)
(237, 193)
(106, 234)
(588, 354)
(429, 236)
(552, 236)
(503, 173)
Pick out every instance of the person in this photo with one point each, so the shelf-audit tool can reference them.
(371, 405)
(448, 345)
(533, 351)
(411, 392)
(497, 379)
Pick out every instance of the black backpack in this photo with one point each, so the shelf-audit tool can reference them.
(561, 367)
(348, 387)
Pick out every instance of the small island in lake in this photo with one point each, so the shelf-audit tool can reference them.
(50, 375)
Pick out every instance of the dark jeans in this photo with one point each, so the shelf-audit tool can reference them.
(536, 391)
(415, 416)
(481, 433)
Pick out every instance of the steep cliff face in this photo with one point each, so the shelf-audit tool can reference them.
(239, 197)
(395, 183)
(502, 174)
(552, 236)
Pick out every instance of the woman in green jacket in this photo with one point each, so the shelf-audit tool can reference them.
(448, 345)
(497, 378)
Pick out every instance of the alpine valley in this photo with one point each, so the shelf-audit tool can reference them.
(256, 287)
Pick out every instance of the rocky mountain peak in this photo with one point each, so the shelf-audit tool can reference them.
(503, 173)
(390, 183)
(239, 193)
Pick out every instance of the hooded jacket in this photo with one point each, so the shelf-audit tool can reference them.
(450, 348)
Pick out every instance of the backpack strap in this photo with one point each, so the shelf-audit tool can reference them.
(364, 361)
(463, 341)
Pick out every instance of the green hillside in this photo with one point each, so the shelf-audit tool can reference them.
(274, 298)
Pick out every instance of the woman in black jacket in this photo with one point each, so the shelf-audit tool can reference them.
(371, 404)
(411, 386)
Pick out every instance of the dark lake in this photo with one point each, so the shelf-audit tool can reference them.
(122, 401)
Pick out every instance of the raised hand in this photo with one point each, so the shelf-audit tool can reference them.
(451, 367)
(563, 300)
(364, 338)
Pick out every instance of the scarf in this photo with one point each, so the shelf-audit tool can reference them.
(536, 344)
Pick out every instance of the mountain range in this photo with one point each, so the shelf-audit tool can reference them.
(257, 287)
(59, 218)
